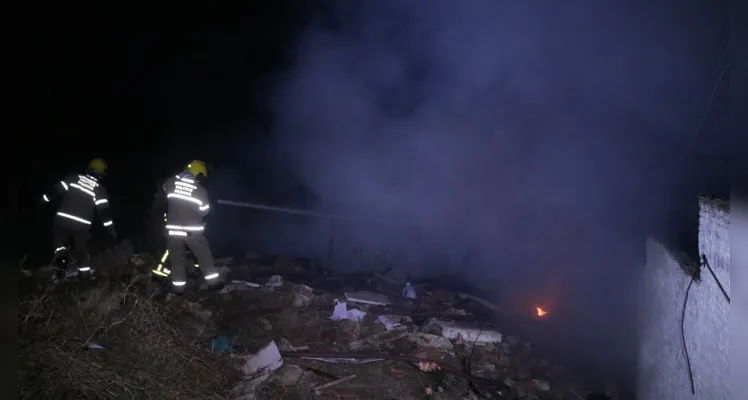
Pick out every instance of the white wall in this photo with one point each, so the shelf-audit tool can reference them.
(662, 364)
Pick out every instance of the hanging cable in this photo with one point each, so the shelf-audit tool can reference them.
(695, 277)
(683, 334)
(711, 271)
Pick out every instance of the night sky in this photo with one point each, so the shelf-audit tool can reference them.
(523, 133)
(147, 91)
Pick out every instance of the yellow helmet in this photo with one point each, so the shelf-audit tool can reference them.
(98, 165)
(197, 167)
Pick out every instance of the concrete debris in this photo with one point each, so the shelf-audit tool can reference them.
(261, 364)
(275, 281)
(289, 375)
(429, 340)
(365, 297)
(303, 296)
(468, 332)
(291, 306)
(389, 322)
(238, 286)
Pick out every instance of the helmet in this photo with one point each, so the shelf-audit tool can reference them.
(98, 166)
(197, 167)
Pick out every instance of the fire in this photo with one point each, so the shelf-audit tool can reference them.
(540, 312)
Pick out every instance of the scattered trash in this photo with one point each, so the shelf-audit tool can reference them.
(409, 291)
(430, 334)
(341, 312)
(220, 344)
(262, 363)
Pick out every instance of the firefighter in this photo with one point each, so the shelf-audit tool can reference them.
(80, 194)
(187, 205)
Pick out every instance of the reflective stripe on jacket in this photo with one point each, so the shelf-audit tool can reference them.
(187, 202)
(81, 195)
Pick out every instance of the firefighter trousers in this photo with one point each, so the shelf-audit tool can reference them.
(201, 250)
(67, 232)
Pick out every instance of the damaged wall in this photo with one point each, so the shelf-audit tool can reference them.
(663, 368)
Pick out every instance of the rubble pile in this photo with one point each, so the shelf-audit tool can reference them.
(109, 341)
(282, 329)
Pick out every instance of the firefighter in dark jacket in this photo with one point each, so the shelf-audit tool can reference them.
(80, 194)
(187, 205)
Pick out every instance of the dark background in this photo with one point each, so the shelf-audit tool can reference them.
(261, 92)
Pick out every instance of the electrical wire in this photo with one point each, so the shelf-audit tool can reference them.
(711, 271)
(683, 334)
(704, 262)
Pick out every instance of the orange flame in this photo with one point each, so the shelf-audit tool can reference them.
(540, 312)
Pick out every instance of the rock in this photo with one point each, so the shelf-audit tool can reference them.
(303, 296)
(288, 375)
(428, 340)
(275, 281)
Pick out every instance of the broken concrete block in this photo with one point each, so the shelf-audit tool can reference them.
(365, 297)
(275, 281)
(428, 340)
(262, 363)
(469, 332)
(288, 375)
(303, 296)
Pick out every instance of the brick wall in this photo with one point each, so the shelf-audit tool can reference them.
(663, 372)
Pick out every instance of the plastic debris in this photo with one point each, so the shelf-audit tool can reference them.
(409, 291)
(341, 312)
(220, 344)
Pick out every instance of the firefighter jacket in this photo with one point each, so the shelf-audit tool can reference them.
(81, 194)
(187, 205)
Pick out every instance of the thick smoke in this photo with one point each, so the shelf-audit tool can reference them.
(516, 144)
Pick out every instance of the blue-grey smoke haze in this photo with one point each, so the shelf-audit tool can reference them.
(527, 146)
